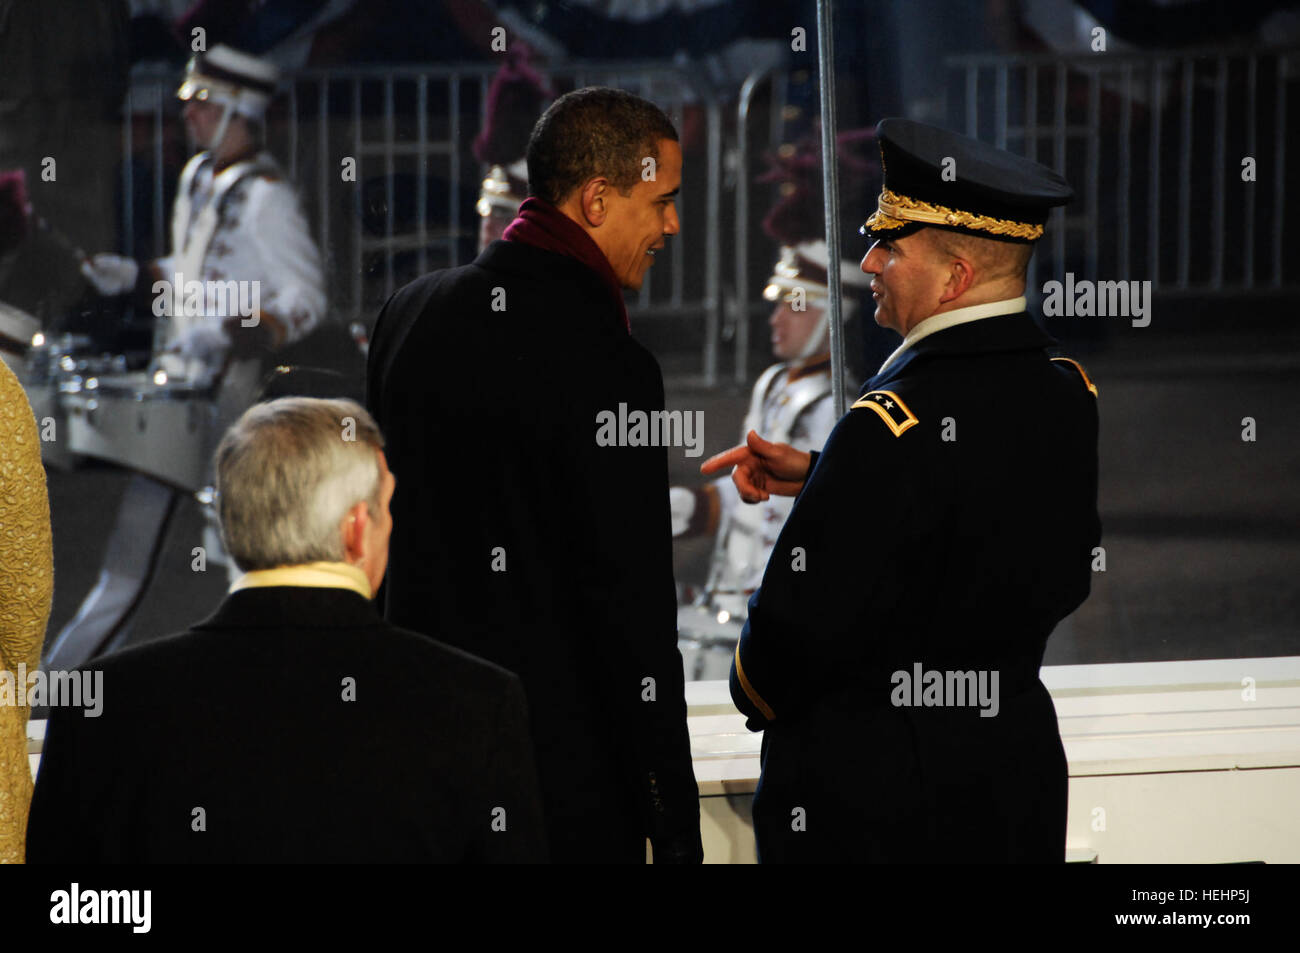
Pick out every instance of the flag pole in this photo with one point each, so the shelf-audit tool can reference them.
(831, 197)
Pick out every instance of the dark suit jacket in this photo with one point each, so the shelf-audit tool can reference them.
(521, 538)
(245, 717)
(949, 521)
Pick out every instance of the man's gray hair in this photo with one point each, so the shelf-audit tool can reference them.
(288, 471)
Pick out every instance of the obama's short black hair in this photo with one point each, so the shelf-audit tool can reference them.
(591, 132)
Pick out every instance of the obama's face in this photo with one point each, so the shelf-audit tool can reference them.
(636, 224)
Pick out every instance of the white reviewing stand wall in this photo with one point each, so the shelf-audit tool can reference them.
(1170, 762)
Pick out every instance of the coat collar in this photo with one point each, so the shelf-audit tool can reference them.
(272, 607)
(541, 265)
(318, 575)
(1007, 332)
(949, 319)
(529, 261)
(814, 367)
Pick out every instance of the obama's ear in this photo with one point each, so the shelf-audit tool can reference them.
(594, 200)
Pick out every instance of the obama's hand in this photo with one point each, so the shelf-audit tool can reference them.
(761, 468)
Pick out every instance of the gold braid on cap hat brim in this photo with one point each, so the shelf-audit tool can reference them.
(895, 211)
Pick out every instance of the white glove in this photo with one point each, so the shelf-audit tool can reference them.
(681, 503)
(111, 274)
(203, 342)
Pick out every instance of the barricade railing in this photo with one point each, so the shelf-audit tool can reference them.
(403, 206)
(743, 312)
(1178, 159)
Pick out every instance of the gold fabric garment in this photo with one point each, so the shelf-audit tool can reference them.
(26, 590)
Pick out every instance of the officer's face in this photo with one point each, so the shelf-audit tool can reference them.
(909, 280)
(791, 329)
(635, 224)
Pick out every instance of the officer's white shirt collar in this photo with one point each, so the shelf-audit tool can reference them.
(949, 319)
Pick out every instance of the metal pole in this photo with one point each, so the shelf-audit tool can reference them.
(128, 173)
(831, 197)
(712, 258)
(742, 220)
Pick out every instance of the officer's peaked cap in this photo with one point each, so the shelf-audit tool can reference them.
(936, 178)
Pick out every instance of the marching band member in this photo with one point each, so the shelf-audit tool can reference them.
(236, 218)
(244, 277)
(792, 399)
(515, 99)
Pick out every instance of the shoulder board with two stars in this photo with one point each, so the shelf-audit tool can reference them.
(896, 414)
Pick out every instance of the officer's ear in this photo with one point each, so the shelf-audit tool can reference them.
(961, 276)
(594, 201)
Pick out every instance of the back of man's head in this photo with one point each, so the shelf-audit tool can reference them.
(288, 471)
(590, 132)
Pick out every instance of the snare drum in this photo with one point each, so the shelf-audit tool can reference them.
(166, 430)
(54, 367)
(67, 360)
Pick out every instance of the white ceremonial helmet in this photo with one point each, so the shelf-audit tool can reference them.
(802, 271)
(243, 84)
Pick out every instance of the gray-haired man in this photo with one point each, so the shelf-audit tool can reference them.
(295, 725)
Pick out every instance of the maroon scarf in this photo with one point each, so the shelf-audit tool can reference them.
(544, 226)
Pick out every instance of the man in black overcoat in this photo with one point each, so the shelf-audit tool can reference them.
(295, 725)
(521, 531)
(891, 655)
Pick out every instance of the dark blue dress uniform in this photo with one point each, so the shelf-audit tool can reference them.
(984, 448)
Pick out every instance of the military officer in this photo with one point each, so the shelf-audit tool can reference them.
(891, 654)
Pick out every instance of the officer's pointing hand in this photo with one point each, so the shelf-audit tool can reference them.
(761, 468)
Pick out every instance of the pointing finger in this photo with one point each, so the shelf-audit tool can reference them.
(728, 458)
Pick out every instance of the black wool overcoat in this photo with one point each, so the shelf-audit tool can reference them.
(293, 726)
(520, 538)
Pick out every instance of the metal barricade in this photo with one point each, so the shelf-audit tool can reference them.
(744, 312)
(382, 159)
(1160, 148)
